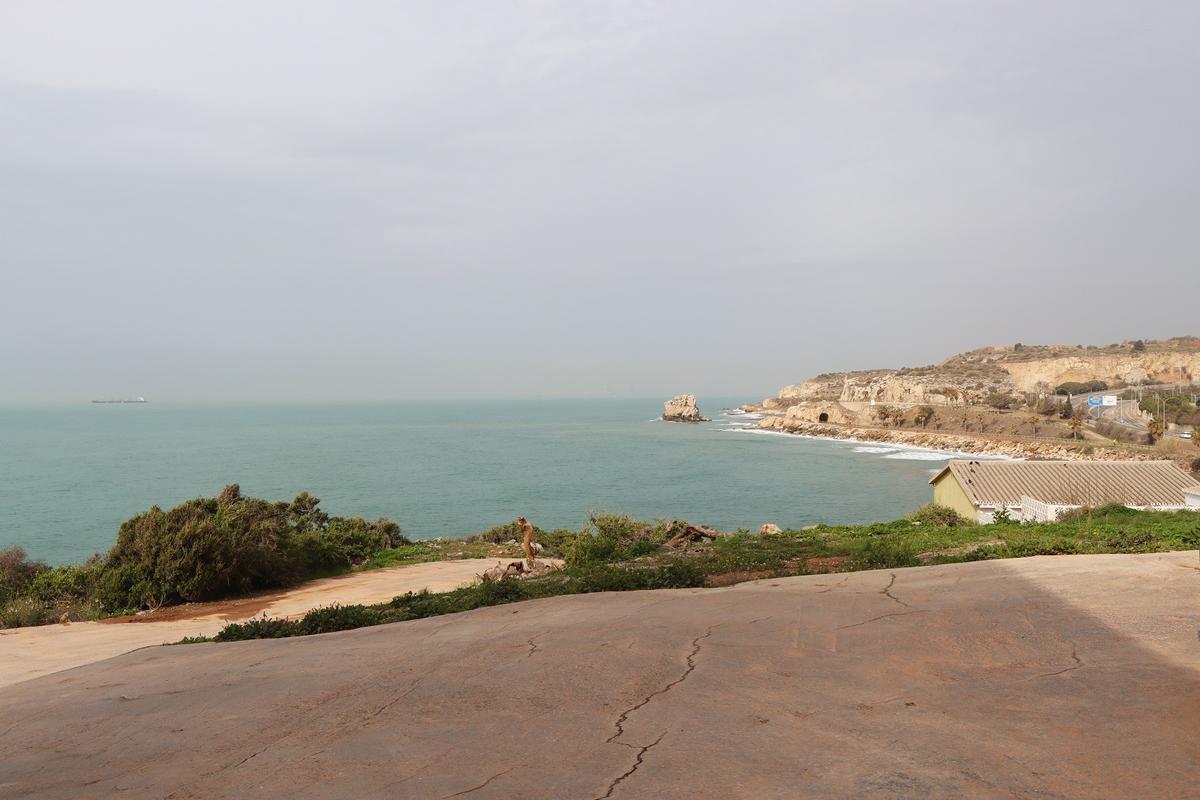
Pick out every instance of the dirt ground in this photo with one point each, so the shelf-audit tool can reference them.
(30, 652)
(1055, 676)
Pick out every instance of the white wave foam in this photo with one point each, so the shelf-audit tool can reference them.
(868, 449)
(761, 432)
(896, 450)
(922, 455)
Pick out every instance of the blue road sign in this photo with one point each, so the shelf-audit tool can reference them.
(1095, 400)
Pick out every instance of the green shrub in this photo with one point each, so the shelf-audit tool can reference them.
(354, 539)
(939, 516)
(555, 543)
(260, 628)
(205, 549)
(886, 551)
(202, 549)
(62, 584)
(607, 578)
(17, 571)
(590, 549)
(336, 618)
(1129, 541)
(1075, 387)
(25, 612)
(1104, 511)
(508, 532)
(616, 537)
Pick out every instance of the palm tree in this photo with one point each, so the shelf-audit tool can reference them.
(1076, 425)
(923, 416)
(1157, 427)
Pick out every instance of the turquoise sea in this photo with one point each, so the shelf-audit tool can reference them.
(69, 475)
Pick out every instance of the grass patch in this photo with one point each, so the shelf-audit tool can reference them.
(418, 605)
(619, 554)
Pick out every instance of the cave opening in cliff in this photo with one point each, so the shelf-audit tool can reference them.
(824, 417)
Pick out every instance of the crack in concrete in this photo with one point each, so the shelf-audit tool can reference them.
(837, 585)
(637, 763)
(533, 648)
(887, 590)
(882, 616)
(1074, 657)
(396, 699)
(247, 758)
(691, 665)
(419, 770)
(480, 786)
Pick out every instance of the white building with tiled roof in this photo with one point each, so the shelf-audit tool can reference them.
(1192, 497)
(1041, 490)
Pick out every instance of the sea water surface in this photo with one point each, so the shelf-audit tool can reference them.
(69, 475)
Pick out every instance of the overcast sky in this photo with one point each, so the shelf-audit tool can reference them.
(359, 200)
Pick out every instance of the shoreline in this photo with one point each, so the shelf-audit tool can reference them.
(953, 444)
(890, 446)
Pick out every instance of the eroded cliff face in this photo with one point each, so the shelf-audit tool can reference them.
(933, 385)
(969, 378)
(1132, 368)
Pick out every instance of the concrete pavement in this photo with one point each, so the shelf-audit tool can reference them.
(1063, 677)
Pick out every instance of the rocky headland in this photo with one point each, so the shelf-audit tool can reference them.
(995, 400)
(974, 377)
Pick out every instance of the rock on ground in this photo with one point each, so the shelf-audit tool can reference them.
(1065, 677)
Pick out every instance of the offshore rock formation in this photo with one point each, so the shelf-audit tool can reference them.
(682, 408)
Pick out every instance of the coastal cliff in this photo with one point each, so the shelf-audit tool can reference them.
(999, 400)
(973, 377)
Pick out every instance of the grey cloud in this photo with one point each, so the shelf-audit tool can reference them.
(198, 200)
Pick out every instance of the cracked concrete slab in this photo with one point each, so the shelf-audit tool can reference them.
(1066, 676)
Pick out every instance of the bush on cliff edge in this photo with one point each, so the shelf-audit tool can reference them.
(209, 548)
(202, 549)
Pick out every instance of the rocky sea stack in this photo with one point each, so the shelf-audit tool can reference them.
(682, 408)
